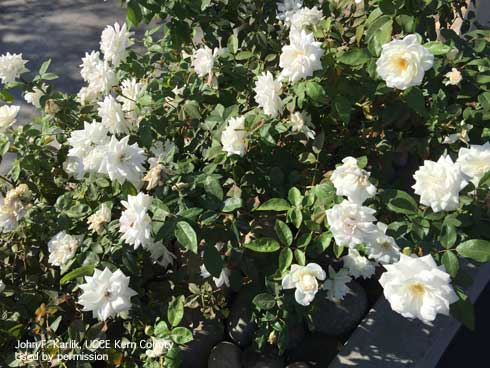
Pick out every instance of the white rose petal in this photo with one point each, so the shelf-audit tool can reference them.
(301, 57)
(336, 284)
(304, 280)
(403, 63)
(233, 137)
(114, 43)
(381, 247)
(453, 77)
(418, 288)
(11, 67)
(268, 94)
(8, 115)
(357, 265)
(475, 161)
(351, 224)
(62, 248)
(438, 184)
(352, 181)
(121, 161)
(105, 294)
(135, 223)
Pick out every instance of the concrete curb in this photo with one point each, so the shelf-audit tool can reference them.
(385, 339)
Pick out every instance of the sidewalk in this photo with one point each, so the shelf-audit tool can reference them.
(62, 30)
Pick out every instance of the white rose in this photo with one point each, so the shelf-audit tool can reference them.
(381, 247)
(304, 280)
(135, 223)
(418, 288)
(402, 63)
(301, 122)
(11, 67)
(357, 265)
(105, 294)
(350, 223)
(62, 248)
(203, 60)
(121, 161)
(352, 181)
(233, 137)
(438, 184)
(35, 95)
(268, 94)
(475, 161)
(305, 17)
(301, 57)
(73, 166)
(8, 114)
(223, 279)
(336, 284)
(113, 117)
(453, 77)
(114, 43)
(99, 219)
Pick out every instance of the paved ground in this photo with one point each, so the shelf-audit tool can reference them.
(62, 30)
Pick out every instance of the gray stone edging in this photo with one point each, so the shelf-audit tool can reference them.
(385, 339)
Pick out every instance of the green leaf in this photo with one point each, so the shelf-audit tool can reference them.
(134, 13)
(283, 232)
(437, 48)
(181, 335)
(274, 204)
(44, 67)
(300, 257)
(186, 236)
(285, 259)
(448, 236)
(399, 201)
(296, 217)
(232, 204)
(484, 100)
(379, 33)
(343, 107)
(416, 100)
(295, 197)
(213, 186)
(264, 301)
(232, 44)
(463, 310)
(315, 91)
(355, 56)
(325, 240)
(161, 329)
(485, 180)
(263, 245)
(191, 108)
(476, 249)
(6, 96)
(212, 260)
(451, 263)
(175, 311)
(338, 250)
(80, 271)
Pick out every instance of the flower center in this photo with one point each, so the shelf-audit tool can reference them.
(107, 294)
(417, 289)
(401, 63)
(308, 282)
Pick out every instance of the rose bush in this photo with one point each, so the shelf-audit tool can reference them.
(286, 147)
